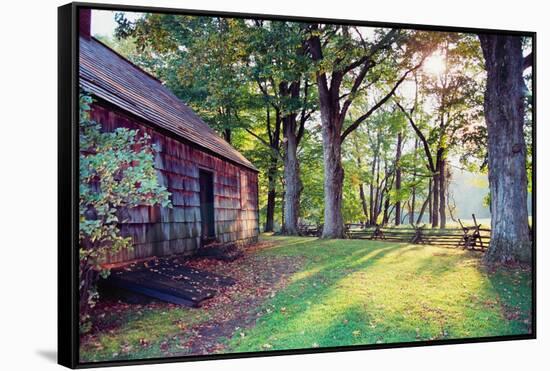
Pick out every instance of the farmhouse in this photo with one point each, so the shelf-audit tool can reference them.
(214, 188)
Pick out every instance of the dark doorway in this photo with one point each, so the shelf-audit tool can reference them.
(206, 183)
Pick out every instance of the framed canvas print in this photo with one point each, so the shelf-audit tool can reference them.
(236, 185)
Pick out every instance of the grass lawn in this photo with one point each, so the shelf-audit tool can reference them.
(299, 292)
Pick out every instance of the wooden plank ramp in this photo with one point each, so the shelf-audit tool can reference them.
(168, 280)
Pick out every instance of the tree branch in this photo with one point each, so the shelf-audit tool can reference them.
(356, 84)
(421, 136)
(384, 43)
(303, 116)
(265, 93)
(363, 117)
(265, 143)
(314, 45)
(268, 124)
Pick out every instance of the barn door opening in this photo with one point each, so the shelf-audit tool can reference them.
(206, 182)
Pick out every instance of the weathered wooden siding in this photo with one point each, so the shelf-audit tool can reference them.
(158, 231)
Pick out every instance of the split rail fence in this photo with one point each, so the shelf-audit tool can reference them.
(468, 237)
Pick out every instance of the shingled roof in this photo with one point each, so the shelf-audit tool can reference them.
(109, 76)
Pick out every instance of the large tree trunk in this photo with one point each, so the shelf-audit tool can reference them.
(283, 198)
(332, 122)
(334, 177)
(292, 176)
(271, 195)
(442, 193)
(504, 114)
(398, 179)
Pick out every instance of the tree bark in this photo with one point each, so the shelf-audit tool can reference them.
(283, 196)
(504, 115)
(293, 130)
(271, 195)
(292, 176)
(331, 122)
(334, 176)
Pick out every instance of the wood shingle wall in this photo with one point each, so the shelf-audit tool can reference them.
(158, 231)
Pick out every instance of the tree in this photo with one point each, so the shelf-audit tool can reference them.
(227, 70)
(293, 128)
(358, 176)
(414, 174)
(280, 68)
(201, 59)
(369, 158)
(116, 173)
(504, 114)
(272, 128)
(447, 98)
(345, 59)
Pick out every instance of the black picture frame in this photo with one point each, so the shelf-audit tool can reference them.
(68, 112)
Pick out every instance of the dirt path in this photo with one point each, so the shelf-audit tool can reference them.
(237, 307)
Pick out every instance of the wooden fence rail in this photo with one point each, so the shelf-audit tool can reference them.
(467, 237)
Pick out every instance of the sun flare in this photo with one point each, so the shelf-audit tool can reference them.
(435, 64)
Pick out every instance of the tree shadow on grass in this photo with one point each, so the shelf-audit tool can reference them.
(494, 302)
(331, 303)
(513, 287)
(442, 263)
(409, 248)
(293, 309)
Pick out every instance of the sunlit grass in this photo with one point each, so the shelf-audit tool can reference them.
(344, 292)
(364, 292)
